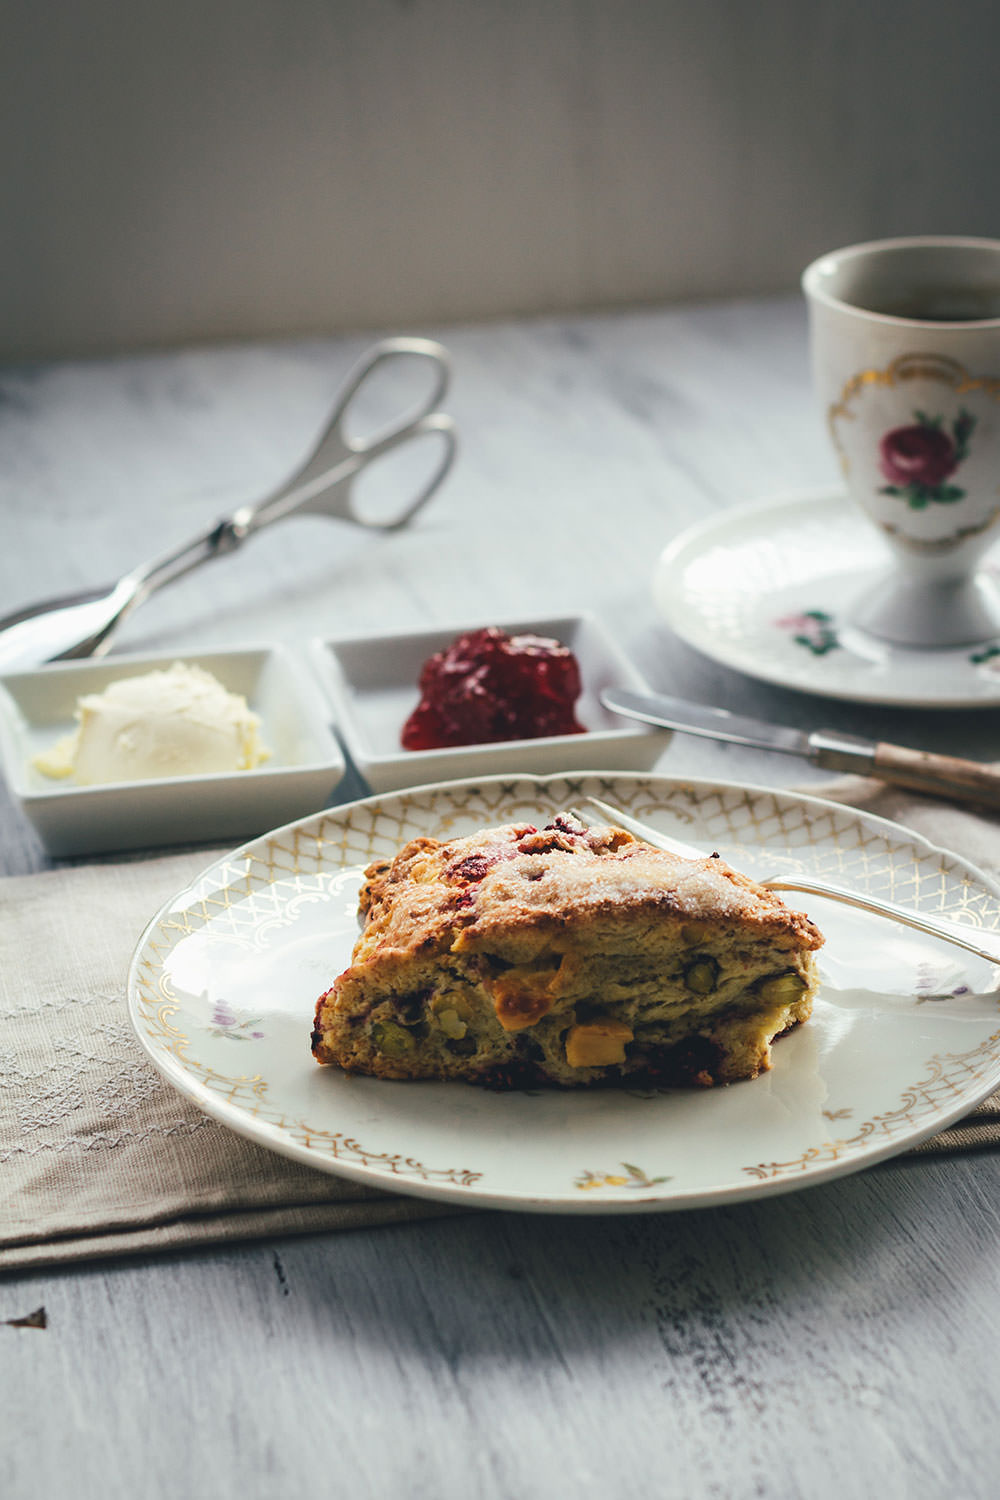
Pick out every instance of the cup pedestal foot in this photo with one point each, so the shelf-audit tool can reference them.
(916, 612)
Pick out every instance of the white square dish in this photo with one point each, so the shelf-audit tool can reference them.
(372, 682)
(303, 768)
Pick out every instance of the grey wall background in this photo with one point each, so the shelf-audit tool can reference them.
(180, 170)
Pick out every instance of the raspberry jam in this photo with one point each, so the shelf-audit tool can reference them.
(489, 686)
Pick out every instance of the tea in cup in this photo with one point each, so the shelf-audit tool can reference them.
(905, 338)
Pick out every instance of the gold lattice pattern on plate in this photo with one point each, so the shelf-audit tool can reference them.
(248, 1093)
(258, 886)
(947, 1080)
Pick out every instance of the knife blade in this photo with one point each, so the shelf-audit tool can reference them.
(919, 770)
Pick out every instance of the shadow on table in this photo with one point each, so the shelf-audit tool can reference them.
(533, 1286)
(525, 1287)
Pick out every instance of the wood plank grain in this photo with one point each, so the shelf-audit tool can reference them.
(838, 1343)
(841, 1342)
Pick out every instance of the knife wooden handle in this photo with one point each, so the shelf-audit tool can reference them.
(944, 775)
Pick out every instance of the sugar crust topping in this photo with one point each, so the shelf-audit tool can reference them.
(516, 873)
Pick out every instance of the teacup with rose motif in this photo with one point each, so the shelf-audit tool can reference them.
(905, 339)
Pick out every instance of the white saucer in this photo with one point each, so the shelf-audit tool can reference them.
(767, 590)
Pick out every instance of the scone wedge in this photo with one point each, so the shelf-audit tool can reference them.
(566, 955)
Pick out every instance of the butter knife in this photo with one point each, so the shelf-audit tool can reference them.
(920, 770)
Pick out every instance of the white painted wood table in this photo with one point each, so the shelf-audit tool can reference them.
(842, 1341)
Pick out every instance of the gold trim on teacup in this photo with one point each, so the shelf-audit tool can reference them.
(916, 367)
(908, 367)
(928, 546)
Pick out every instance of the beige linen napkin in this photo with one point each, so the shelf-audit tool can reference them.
(98, 1155)
(101, 1157)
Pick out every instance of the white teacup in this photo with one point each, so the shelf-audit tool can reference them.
(906, 358)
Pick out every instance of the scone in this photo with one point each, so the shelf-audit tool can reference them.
(566, 955)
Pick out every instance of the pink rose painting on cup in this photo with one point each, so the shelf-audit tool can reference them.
(917, 460)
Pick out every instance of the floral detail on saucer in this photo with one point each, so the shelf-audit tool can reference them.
(813, 628)
(917, 459)
(635, 1178)
(226, 1022)
(740, 587)
(986, 654)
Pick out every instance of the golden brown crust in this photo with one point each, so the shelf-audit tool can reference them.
(564, 955)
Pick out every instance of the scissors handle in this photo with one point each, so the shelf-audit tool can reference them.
(82, 625)
(322, 484)
(427, 350)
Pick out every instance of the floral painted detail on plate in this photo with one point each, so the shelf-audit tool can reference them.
(271, 921)
(919, 458)
(812, 628)
(226, 1022)
(947, 1074)
(634, 1177)
(936, 984)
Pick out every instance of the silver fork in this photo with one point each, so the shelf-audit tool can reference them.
(939, 927)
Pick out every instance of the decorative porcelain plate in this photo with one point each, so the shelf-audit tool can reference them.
(904, 1038)
(769, 590)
